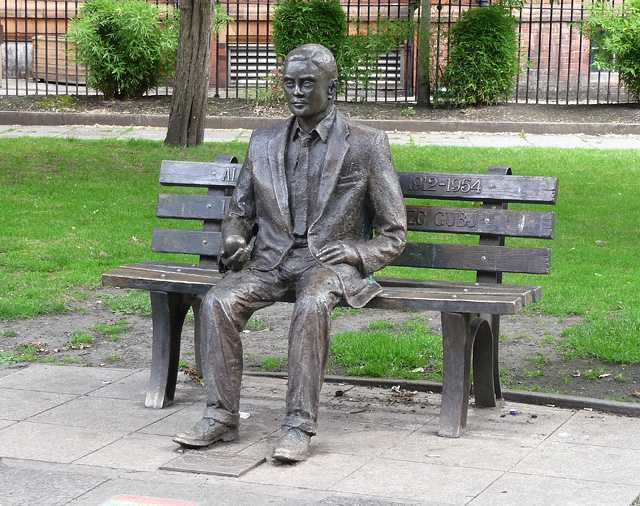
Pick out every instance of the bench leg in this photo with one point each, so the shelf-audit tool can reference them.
(483, 364)
(457, 343)
(495, 330)
(168, 311)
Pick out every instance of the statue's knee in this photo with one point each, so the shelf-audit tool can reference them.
(313, 301)
(214, 299)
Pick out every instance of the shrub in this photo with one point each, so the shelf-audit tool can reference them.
(483, 59)
(616, 32)
(126, 45)
(298, 22)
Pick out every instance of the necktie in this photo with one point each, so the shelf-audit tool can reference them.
(301, 174)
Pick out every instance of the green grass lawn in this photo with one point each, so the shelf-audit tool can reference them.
(74, 209)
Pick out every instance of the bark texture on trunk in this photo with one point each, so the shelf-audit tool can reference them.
(189, 100)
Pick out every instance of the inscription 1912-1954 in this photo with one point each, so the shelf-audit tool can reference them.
(447, 184)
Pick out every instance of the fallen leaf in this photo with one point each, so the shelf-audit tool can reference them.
(604, 375)
(418, 369)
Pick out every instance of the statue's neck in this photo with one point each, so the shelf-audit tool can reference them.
(308, 123)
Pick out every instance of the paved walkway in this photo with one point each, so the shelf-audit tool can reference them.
(471, 139)
(82, 436)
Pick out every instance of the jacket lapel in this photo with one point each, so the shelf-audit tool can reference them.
(337, 147)
(276, 153)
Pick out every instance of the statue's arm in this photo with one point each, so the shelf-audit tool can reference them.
(389, 217)
(238, 224)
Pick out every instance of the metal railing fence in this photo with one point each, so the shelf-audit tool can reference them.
(555, 58)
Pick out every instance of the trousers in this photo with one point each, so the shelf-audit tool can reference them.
(227, 307)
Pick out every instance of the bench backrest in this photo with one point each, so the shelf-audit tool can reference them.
(492, 221)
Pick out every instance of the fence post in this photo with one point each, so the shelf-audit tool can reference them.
(423, 88)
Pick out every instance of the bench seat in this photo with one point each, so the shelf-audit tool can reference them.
(398, 294)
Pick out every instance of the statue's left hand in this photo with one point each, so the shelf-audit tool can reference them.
(339, 253)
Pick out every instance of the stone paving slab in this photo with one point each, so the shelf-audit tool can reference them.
(600, 429)
(415, 481)
(499, 454)
(7, 371)
(134, 388)
(583, 462)
(14, 405)
(527, 423)
(51, 443)
(362, 500)
(62, 380)
(320, 472)
(203, 494)
(104, 414)
(212, 462)
(518, 489)
(21, 487)
(367, 440)
(135, 452)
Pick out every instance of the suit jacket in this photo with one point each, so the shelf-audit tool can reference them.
(359, 202)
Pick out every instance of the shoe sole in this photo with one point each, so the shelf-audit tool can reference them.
(201, 443)
(287, 458)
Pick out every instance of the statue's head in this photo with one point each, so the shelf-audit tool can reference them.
(310, 80)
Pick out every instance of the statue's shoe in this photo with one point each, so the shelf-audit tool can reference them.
(292, 447)
(206, 432)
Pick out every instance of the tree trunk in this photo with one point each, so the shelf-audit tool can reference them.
(189, 100)
(423, 92)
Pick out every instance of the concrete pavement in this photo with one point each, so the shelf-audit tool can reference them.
(82, 436)
(469, 139)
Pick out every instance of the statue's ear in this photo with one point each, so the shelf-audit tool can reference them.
(333, 87)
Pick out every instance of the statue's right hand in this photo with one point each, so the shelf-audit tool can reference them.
(232, 244)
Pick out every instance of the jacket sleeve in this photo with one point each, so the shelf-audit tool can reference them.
(388, 214)
(241, 213)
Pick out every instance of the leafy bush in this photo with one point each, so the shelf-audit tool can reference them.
(126, 45)
(616, 31)
(298, 22)
(483, 57)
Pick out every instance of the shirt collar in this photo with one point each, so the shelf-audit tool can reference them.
(322, 129)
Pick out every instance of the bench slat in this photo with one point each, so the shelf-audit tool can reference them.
(186, 241)
(178, 173)
(477, 299)
(203, 207)
(471, 220)
(479, 187)
(475, 258)
(531, 294)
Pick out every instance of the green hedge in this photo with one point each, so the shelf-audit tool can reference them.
(483, 56)
(298, 22)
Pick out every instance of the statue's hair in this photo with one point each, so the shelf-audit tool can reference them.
(317, 54)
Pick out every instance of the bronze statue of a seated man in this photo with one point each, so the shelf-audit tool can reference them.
(320, 202)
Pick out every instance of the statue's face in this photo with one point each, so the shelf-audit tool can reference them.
(307, 88)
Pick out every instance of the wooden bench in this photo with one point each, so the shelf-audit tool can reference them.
(470, 311)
